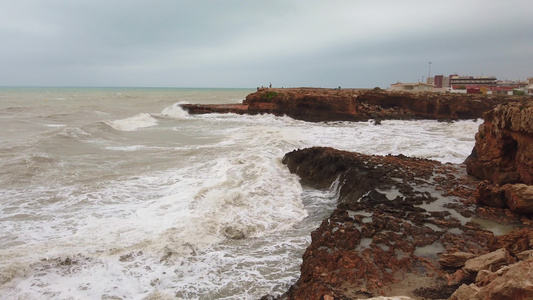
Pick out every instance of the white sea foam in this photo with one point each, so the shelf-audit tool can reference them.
(55, 125)
(75, 133)
(175, 111)
(131, 124)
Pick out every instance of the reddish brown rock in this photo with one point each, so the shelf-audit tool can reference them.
(488, 194)
(516, 241)
(465, 292)
(503, 152)
(315, 104)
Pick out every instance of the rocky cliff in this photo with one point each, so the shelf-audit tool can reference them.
(503, 158)
(314, 104)
(504, 145)
(403, 226)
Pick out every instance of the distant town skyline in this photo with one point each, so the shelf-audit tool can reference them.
(235, 44)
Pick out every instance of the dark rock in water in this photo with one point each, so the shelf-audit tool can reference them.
(395, 218)
(234, 233)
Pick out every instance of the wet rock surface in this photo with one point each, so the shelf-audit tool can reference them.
(398, 228)
(316, 104)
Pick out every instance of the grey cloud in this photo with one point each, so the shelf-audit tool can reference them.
(245, 44)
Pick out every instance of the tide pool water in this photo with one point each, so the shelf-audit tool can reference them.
(117, 193)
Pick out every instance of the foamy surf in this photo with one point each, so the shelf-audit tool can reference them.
(175, 111)
(131, 124)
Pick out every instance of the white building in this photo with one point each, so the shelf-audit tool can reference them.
(412, 87)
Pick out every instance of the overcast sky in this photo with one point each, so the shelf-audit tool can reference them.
(291, 43)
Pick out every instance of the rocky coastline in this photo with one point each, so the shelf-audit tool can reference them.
(408, 226)
(422, 229)
(315, 104)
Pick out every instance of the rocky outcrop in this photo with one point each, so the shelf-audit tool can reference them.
(314, 104)
(503, 157)
(503, 152)
(403, 226)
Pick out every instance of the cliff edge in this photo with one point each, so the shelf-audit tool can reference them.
(315, 104)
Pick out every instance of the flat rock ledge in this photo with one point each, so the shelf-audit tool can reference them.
(403, 227)
(318, 104)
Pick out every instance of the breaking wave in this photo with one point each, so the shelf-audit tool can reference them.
(131, 124)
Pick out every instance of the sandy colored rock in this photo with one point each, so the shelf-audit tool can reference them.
(484, 277)
(465, 292)
(516, 283)
(490, 261)
(525, 255)
(519, 198)
(455, 260)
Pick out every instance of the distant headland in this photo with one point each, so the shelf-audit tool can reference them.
(321, 104)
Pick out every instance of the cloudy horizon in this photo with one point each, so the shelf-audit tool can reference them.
(245, 44)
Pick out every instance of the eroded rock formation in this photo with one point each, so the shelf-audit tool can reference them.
(503, 158)
(503, 152)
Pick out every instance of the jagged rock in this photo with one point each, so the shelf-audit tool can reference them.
(520, 198)
(455, 260)
(516, 283)
(490, 261)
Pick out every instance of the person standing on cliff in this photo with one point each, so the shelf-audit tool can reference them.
(270, 86)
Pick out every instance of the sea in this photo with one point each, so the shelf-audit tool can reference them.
(118, 193)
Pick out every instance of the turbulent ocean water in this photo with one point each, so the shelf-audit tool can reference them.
(117, 193)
